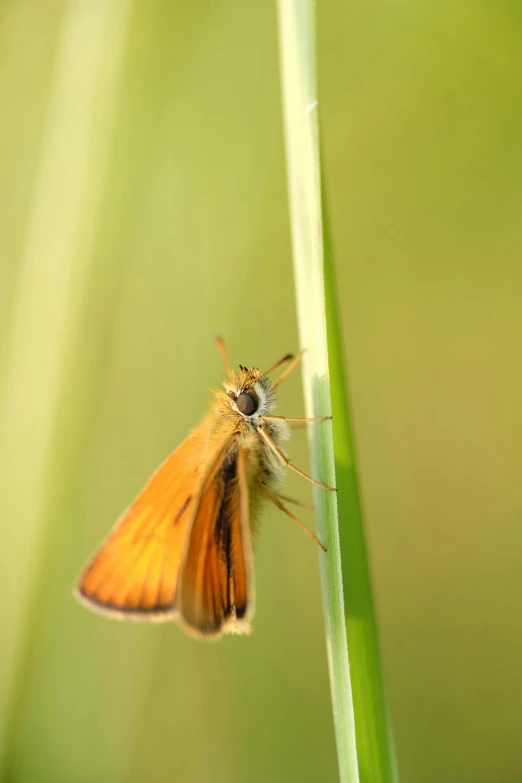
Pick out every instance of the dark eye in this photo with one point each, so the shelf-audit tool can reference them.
(247, 404)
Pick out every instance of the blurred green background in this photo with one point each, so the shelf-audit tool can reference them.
(142, 211)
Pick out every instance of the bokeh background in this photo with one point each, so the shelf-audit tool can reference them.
(143, 210)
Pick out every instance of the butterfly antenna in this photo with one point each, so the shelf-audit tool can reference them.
(277, 365)
(223, 351)
(289, 369)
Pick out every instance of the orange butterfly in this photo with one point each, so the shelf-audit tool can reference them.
(183, 549)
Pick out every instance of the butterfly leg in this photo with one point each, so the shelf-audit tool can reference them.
(297, 422)
(285, 461)
(276, 500)
(301, 503)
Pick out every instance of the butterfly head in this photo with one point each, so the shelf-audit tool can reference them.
(250, 393)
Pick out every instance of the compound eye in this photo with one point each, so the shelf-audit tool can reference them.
(247, 404)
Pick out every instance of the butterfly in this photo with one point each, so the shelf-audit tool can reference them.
(183, 548)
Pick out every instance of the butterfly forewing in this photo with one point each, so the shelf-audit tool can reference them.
(136, 570)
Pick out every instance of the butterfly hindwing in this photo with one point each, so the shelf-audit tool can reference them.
(215, 593)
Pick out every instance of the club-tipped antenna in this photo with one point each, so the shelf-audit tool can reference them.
(277, 365)
(289, 369)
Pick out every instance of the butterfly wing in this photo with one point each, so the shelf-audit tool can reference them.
(134, 573)
(215, 587)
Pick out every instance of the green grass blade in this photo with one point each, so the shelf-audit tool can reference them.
(296, 22)
(364, 739)
(375, 745)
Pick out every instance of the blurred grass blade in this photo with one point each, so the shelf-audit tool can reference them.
(296, 24)
(53, 272)
(364, 741)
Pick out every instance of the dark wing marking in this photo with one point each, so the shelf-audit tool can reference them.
(215, 592)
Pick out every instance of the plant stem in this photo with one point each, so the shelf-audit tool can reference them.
(363, 733)
(297, 25)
